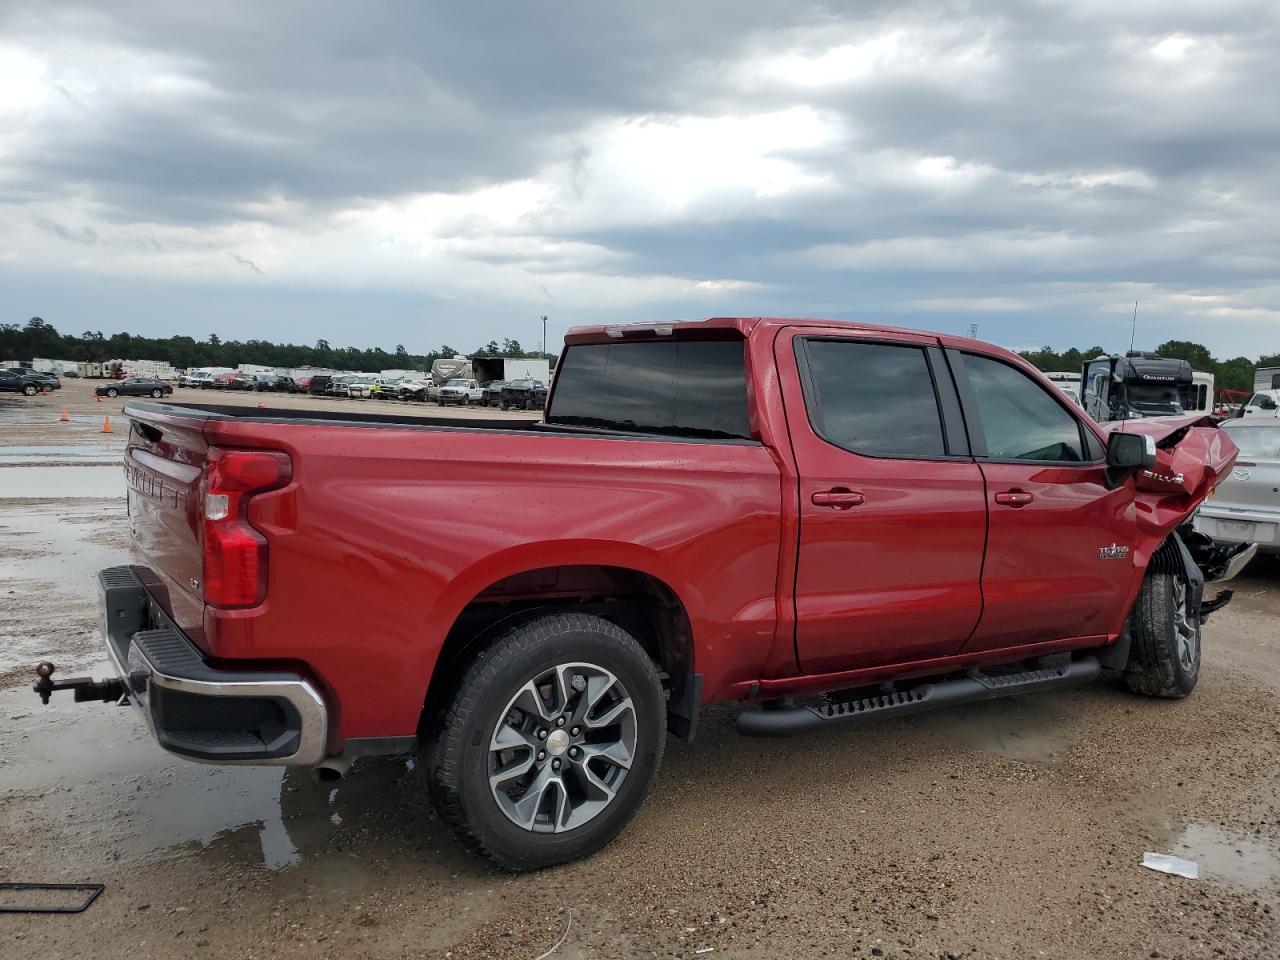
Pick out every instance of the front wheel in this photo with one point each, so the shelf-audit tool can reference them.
(113, 392)
(157, 393)
(550, 742)
(1164, 656)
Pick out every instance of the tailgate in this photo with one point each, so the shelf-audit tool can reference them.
(164, 469)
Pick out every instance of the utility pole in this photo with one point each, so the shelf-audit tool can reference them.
(544, 333)
(973, 331)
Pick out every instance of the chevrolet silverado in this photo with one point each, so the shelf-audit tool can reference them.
(827, 522)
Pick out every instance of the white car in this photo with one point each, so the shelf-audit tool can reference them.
(195, 378)
(1264, 403)
(414, 389)
(464, 392)
(1245, 508)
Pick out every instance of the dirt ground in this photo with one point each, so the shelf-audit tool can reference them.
(1011, 829)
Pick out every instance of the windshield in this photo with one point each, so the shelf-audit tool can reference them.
(457, 383)
(1257, 443)
(1151, 399)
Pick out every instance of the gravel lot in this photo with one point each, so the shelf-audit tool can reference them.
(1007, 829)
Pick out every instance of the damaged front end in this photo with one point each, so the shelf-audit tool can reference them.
(1193, 455)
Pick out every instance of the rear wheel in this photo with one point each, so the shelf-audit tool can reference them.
(550, 742)
(1164, 656)
(30, 390)
(157, 393)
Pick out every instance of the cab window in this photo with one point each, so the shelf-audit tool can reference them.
(1019, 418)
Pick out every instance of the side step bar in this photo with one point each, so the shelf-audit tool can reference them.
(975, 685)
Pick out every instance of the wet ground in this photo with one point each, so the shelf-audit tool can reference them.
(1006, 829)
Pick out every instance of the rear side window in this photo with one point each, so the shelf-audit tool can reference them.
(873, 399)
(686, 388)
(1021, 420)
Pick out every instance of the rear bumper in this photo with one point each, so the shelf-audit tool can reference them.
(1239, 526)
(196, 710)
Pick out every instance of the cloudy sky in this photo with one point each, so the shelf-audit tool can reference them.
(412, 173)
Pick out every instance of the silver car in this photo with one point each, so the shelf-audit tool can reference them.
(1246, 506)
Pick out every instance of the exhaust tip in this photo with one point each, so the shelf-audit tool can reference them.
(332, 769)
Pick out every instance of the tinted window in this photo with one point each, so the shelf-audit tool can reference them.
(1021, 420)
(692, 388)
(873, 399)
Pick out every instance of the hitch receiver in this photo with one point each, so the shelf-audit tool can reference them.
(86, 689)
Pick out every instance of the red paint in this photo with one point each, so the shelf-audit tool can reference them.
(800, 566)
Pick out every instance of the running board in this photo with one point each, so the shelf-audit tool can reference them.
(975, 685)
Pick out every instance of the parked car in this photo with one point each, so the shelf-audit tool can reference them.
(275, 383)
(303, 384)
(11, 382)
(367, 388)
(220, 381)
(493, 393)
(135, 387)
(896, 519)
(1264, 404)
(319, 384)
(412, 389)
(338, 385)
(1246, 507)
(524, 395)
(44, 381)
(460, 391)
(195, 378)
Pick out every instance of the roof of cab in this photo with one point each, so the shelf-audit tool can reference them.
(604, 333)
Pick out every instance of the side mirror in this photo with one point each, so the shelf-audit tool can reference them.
(1130, 451)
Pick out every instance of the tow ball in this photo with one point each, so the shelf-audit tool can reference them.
(86, 688)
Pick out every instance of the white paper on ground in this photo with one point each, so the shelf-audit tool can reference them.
(1164, 863)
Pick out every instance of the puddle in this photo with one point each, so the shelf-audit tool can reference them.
(1230, 858)
(71, 453)
(65, 546)
(100, 783)
(1020, 728)
(78, 482)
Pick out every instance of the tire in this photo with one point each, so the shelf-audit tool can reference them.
(503, 404)
(113, 392)
(1164, 656)
(30, 389)
(157, 393)
(460, 754)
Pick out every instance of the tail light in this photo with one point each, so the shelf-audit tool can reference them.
(235, 554)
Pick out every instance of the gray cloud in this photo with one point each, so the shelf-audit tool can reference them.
(1053, 156)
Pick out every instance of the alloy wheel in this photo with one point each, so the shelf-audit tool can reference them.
(562, 748)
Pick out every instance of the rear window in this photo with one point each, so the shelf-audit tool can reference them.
(1257, 443)
(687, 388)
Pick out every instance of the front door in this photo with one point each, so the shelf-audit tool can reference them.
(892, 513)
(1059, 541)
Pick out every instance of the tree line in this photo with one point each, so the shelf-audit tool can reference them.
(37, 338)
(1233, 374)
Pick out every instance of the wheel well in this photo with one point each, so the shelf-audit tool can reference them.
(641, 604)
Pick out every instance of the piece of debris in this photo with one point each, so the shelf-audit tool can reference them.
(705, 950)
(1164, 863)
(556, 946)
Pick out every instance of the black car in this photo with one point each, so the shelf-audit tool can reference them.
(319, 385)
(135, 387)
(524, 395)
(275, 384)
(11, 382)
(43, 380)
(493, 393)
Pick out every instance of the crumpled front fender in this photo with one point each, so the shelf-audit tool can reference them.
(1193, 455)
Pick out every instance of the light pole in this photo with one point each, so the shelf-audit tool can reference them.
(544, 333)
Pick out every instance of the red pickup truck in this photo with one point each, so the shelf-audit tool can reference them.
(827, 521)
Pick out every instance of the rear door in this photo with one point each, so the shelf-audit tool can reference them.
(892, 511)
(1059, 542)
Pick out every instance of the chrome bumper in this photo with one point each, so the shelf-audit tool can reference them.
(198, 711)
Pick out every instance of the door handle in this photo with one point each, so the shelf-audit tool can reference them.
(837, 499)
(1014, 498)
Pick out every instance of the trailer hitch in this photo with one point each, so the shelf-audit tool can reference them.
(86, 689)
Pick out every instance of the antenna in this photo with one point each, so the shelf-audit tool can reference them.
(1133, 333)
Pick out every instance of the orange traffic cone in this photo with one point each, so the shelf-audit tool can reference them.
(106, 424)
(64, 418)
(97, 397)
